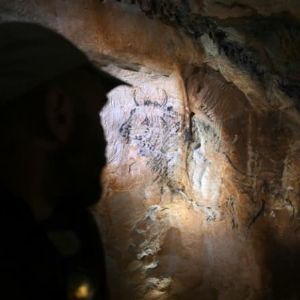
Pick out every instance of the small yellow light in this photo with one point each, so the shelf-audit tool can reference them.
(83, 291)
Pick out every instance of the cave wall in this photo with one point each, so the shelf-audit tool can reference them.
(258, 159)
(202, 185)
(108, 32)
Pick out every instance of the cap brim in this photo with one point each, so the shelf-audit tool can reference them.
(109, 82)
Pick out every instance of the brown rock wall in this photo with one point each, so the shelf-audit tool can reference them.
(108, 31)
(256, 196)
(202, 184)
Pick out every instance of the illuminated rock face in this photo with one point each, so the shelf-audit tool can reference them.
(211, 210)
(203, 180)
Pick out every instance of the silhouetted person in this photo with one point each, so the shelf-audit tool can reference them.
(51, 155)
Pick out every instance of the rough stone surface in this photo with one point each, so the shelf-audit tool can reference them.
(203, 181)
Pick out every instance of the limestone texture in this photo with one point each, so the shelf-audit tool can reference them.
(203, 181)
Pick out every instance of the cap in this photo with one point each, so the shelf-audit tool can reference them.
(31, 54)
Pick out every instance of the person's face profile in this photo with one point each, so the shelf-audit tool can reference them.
(89, 144)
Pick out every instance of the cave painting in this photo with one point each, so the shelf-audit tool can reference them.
(215, 215)
(153, 127)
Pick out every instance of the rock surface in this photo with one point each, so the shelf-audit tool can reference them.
(203, 180)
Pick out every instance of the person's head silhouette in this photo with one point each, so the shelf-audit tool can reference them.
(50, 99)
(51, 155)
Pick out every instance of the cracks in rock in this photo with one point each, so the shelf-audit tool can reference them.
(257, 215)
(244, 58)
(130, 167)
(292, 206)
(235, 167)
(188, 132)
(232, 213)
(239, 6)
(292, 89)
(127, 1)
